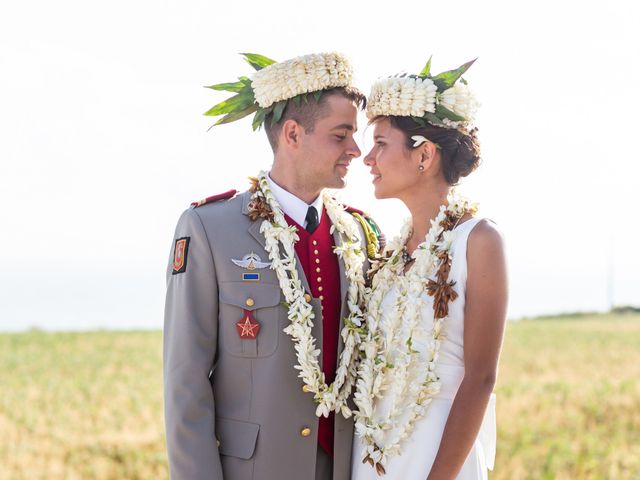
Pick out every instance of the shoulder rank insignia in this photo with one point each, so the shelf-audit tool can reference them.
(215, 198)
(180, 251)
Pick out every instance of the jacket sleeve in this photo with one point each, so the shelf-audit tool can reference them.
(189, 351)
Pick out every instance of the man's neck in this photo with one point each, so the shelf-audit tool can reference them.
(288, 181)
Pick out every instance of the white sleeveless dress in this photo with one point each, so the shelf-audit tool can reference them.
(419, 451)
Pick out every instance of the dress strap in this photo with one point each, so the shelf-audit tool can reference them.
(459, 252)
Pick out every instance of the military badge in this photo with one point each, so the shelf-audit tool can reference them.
(251, 262)
(180, 252)
(248, 327)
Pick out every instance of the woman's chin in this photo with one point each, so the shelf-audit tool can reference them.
(379, 193)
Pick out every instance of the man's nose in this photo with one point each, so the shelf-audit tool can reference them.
(354, 150)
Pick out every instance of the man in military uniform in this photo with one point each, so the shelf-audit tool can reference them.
(265, 291)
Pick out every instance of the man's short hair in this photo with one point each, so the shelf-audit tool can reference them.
(308, 112)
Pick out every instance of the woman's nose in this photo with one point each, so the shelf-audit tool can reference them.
(369, 158)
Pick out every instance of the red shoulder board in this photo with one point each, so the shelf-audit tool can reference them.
(355, 210)
(215, 198)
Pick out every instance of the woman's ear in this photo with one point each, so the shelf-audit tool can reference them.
(427, 153)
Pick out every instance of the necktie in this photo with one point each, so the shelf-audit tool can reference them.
(312, 220)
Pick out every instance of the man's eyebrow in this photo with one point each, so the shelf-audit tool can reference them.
(346, 126)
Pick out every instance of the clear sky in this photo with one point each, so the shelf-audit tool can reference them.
(103, 142)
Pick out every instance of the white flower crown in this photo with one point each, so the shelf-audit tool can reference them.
(274, 84)
(439, 100)
(309, 73)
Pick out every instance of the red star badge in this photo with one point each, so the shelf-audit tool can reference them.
(248, 327)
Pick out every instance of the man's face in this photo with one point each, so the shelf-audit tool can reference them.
(326, 152)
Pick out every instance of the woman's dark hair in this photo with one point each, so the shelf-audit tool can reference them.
(459, 150)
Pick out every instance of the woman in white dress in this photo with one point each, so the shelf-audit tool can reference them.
(437, 307)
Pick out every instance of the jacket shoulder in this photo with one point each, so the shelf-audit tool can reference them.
(229, 194)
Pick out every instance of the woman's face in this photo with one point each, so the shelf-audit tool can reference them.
(393, 167)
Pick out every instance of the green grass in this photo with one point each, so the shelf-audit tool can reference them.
(89, 405)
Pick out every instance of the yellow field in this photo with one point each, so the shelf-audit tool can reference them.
(89, 405)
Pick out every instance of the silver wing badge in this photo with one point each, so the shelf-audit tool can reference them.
(251, 261)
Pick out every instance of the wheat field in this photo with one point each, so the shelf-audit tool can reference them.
(89, 405)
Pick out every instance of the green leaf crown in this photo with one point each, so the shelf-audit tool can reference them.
(275, 84)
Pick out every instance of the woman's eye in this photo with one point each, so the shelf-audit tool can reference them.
(380, 144)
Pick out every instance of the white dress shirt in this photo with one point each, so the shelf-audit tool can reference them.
(292, 205)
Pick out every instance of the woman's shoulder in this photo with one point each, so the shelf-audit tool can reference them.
(485, 238)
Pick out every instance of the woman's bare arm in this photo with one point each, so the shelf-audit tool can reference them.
(484, 322)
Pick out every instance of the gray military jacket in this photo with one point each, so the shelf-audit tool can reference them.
(235, 408)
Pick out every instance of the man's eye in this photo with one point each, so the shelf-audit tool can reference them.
(341, 137)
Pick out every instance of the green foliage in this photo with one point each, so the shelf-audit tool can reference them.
(257, 61)
(427, 69)
(444, 112)
(242, 84)
(235, 103)
(278, 108)
(244, 103)
(95, 410)
(237, 115)
(446, 79)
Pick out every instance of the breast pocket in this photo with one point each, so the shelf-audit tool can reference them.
(262, 302)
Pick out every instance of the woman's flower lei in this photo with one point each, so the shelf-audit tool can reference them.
(390, 363)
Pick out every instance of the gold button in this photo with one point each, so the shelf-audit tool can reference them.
(317, 260)
(315, 242)
(305, 388)
(305, 432)
(307, 297)
(319, 279)
(321, 297)
(315, 251)
(318, 269)
(250, 302)
(217, 442)
(319, 289)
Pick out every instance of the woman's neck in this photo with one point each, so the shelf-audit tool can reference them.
(424, 206)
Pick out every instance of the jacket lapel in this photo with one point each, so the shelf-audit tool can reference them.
(254, 231)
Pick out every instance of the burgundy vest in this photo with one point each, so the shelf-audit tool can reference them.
(320, 265)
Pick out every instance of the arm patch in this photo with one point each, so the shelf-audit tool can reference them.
(180, 253)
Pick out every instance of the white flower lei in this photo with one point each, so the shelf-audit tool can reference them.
(308, 73)
(390, 363)
(329, 397)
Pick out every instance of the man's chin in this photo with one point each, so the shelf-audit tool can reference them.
(339, 182)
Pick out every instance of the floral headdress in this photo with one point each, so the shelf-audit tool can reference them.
(274, 84)
(439, 100)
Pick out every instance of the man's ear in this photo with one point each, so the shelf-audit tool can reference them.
(291, 133)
